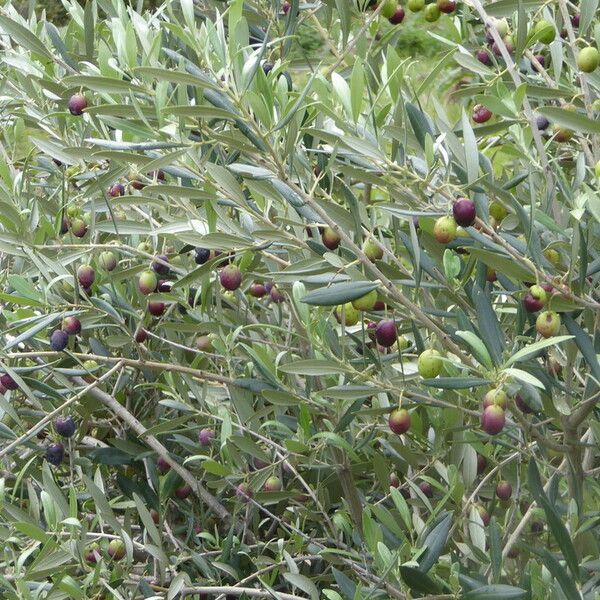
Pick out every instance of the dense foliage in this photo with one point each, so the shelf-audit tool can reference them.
(287, 315)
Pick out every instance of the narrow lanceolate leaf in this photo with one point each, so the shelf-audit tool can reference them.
(312, 367)
(571, 120)
(557, 527)
(478, 347)
(496, 592)
(455, 383)
(585, 345)
(533, 349)
(339, 293)
(435, 541)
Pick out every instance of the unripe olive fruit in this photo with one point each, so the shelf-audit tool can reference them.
(430, 364)
(415, 5)
(116, 549)
(444, 229)
(501, 26)
(548, 323)
(545, 31)
(588, 59)
(348, 314)
(273, 484)
(372, 250)
(107, 261)
(496, 396)
(431, 13)
(562, 134)
(244, 492)
(147, 282)
(366, 302)
(389, 8)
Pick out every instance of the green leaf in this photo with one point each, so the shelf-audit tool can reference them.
(585, 345)
(502, 263)
(524, 376)
(557, 527)
(495, 549)
(313, 367)
(571, 120)
(505, 8)
(147, 519)
(435, 539)
(419, 123)
(106, 85)
(24, 36)
(339, 293)
(477, 346)
(534, 348)
(39, 326)
(496, 592)
(566, 582)
(304, 583)
(419, 581)
(455, 383)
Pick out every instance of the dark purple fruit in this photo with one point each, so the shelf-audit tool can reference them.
(446, 6)
(522, 405)
(115, 190)
(65, 427)
(230, 277)
(162, 465)
(399, 421)
(464, 212)
(481, 464)
(426, 488)
(147, 282)
(156, 308)
(541, 123)
(158, 267)
(206, 436)
(71, 325)
(276, 296)
(77, 104)
(201, 255)
(59, 340)
(483, 56)
(183, 492)
(285, 7)
(55, 454)
(140, 335)
(8, 382)
(575, 20)
(86, 276)
(394, 480)
(386, 333)
(504, 490)
(257, 290)
(164, 286)
(481, 114)
(493, 419)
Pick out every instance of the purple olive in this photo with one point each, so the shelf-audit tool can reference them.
(55, 454)
(65, 427)
(59, 340)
